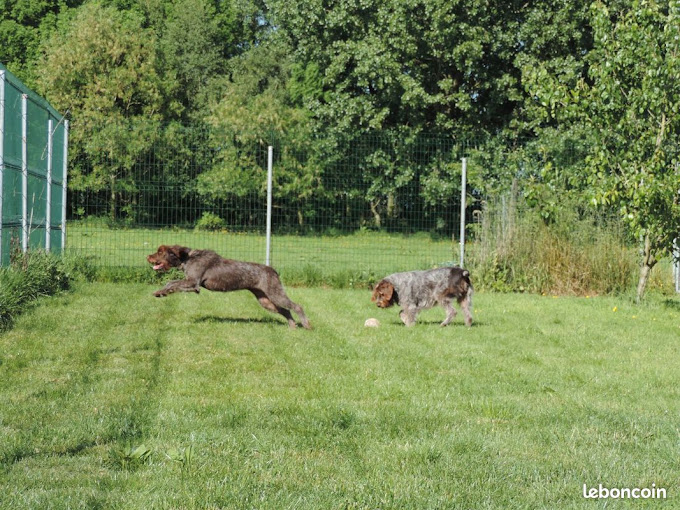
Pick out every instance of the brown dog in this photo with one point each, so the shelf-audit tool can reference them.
(205, 268)
(420, 290)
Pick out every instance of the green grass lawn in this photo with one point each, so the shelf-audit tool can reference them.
(113, 399)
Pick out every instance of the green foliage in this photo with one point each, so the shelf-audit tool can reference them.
(210, 222)
(24, 24)
(427, 66)
(306, 83)
(101, 65)
(196, 37)
(517, 251)
(30, 276)
(254, 112)
(130, 458)
(78, 267)
(628, 102)
(182, 457)
(311, 86)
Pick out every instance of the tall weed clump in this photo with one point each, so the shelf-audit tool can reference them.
(29, 276)
(572, 254)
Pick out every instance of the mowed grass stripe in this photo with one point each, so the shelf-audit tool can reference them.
(541, 395)
(81, 373)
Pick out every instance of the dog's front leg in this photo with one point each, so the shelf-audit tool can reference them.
(450, 312)
(178, 286)
(408, 316)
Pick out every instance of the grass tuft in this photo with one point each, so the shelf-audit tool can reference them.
(30, 276)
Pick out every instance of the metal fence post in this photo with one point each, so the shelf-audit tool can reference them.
(24, 173)
(63, 189)
(463, 184)
(48, 212)
(270, 167)
(676, 264)
(2, 149)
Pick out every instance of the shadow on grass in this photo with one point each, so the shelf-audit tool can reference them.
(672, 304)
(433, 323)
(236, 320)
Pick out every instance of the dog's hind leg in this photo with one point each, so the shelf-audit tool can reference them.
(466, 305)
(277, 295)
(268, 304)
(285, 303)
(301, 313)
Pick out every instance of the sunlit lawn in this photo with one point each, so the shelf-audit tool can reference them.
(110, 398)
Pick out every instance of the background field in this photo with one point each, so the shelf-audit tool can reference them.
(113, 399)
(525, 256)
(338, 260)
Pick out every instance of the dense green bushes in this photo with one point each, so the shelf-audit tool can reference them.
(30, 276)
(517, 250)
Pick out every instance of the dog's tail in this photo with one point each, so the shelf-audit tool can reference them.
(470, 290)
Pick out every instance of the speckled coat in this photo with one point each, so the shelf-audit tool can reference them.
(419, 290)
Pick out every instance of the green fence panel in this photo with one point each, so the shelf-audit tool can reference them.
(12, 125)
(58, 151)
(37, 133)
(31, 197)
(11, 193)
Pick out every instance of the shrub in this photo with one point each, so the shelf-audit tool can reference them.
(29, 276)
(519, 252)
(210, 222)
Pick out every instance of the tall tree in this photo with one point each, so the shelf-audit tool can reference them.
(197, 38)
(414, 67)
(23, 24)
(101, 66)
(257, 109)
(435, 65)
(629, 103)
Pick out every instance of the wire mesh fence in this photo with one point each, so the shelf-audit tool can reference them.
(367, 205)
(343, 209)
(33, 154)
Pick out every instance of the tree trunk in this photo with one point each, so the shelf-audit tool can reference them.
(377, 220)
(648, 262)
(391, 206)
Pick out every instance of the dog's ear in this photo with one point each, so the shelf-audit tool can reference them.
(184, 253)
(181, 252)
(382, 294)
